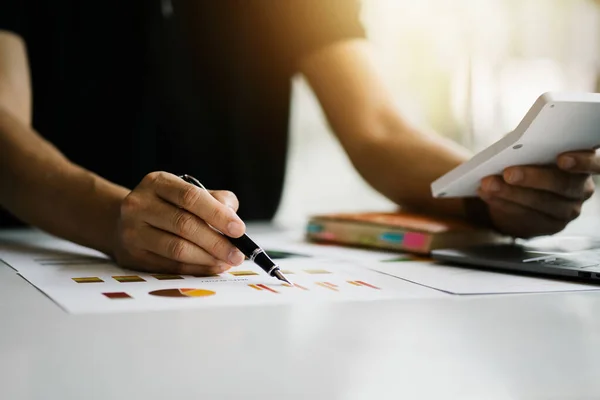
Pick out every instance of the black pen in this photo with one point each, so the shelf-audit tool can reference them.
(247, 246)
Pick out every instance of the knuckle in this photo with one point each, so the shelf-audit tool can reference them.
(189, 196)
(184, 223)
(153, 177)
(177, 249)
(217, 214)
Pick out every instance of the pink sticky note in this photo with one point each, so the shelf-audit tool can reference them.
(414, 240)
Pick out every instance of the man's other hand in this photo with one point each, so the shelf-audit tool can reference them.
(528, 201)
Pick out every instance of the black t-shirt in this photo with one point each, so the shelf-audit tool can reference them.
(200, 87)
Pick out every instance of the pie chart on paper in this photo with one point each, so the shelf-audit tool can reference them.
(182, 293)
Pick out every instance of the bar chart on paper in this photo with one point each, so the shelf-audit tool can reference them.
(81, 284)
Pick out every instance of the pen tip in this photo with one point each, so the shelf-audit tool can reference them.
(282, 277)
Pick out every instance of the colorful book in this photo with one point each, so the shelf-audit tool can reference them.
(403, 232)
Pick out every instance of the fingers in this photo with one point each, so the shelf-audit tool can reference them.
(565, 184)
(521, 221)
(173, 247)
(585, 162)
(543, 202)
(197, 201)
(186, 225)
(151, 262)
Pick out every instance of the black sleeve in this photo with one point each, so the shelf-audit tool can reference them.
(300, 27)
(12, 16)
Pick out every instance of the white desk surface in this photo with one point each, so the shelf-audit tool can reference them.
(543, 346)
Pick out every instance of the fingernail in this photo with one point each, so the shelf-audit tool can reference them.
(493, 186)
(236, 257)
(236, 228)
(515, 176)
(567, 162)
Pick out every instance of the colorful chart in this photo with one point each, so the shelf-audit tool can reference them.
(182, 293)
(89, 279)
(117, 295)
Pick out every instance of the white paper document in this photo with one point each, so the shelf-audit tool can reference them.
(83, 281)
(465, 281)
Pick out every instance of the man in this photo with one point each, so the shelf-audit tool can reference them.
(95, 96)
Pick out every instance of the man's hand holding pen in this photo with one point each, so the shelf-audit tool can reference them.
(164, 227)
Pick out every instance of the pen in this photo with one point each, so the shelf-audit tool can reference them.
(247, 246)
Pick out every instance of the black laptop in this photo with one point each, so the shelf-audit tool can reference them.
(575, 257)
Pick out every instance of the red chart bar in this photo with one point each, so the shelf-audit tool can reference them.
(260, 285)
(368, 285)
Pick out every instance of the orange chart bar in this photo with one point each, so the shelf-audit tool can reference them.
(260, 285)
(243, 273)
(316, 271)
(326, 286)
(354, 283)
(128, 278)
(88, 279)
(295, 285)
(255, 287)
(166, 277)
(367, 285)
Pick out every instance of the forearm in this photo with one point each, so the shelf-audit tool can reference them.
(43, 188)
(402, 162)
(396, 159)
